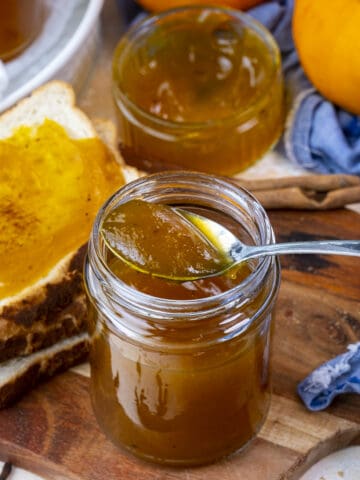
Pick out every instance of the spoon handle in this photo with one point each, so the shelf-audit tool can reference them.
(340, 247)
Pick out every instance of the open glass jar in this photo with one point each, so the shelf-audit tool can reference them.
(199, 88)
(180, 374)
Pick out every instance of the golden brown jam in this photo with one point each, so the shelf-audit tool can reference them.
(199, 89)
(51, 187)
(182, 407)
(152, 238)
(179, 375)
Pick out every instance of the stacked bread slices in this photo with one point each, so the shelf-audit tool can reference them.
(43, 327)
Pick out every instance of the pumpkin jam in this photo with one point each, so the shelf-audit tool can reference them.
(51, 187)
(152, 238)
(184, 389)
(198, 88)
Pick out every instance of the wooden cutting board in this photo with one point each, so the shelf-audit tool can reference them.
(52, 431)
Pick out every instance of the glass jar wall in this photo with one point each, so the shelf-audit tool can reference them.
(180, 374)
(198, 88)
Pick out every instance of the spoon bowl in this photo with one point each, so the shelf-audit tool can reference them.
(237, 251)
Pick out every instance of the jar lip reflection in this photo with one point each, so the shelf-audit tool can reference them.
(149, 188)
(140, 28)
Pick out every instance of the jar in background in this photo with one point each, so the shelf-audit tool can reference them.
(179, 377)
(20, 22)
(199, 88)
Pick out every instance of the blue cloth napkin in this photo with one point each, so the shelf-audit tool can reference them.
(319, 136)
(339, 375)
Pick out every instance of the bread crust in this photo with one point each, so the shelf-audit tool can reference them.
(47, 296)
(39, 367)
(55, 100)
(46, 331)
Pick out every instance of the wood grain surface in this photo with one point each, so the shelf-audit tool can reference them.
(52, 431)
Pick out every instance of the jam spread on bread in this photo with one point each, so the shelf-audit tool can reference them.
(51, 187)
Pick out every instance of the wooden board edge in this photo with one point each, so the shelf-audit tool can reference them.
(341, 439)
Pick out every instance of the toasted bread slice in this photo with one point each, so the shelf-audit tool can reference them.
(43, 326)
(106, 130)
(26, 316)
(55, 100)
(19, 375)
(19, 340)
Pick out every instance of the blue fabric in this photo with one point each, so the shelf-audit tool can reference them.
(319, 136)
(339, 375)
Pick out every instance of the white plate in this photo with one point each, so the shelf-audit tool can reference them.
(341, 465)
(62, 50)
(20, 474)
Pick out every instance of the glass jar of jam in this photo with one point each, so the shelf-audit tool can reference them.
(20, 22)
(180, 372)
(198, 88)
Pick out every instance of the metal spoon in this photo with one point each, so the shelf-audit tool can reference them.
(237, 251)
(230, 250)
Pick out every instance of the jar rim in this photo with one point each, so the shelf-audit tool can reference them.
(259, 101)
(169, 307)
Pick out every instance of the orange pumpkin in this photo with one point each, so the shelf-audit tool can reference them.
(156, 5)
(326, 35)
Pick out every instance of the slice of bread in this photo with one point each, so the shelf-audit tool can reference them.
(19, 375)
(55, 101)
(53, 308)
(19, 340)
